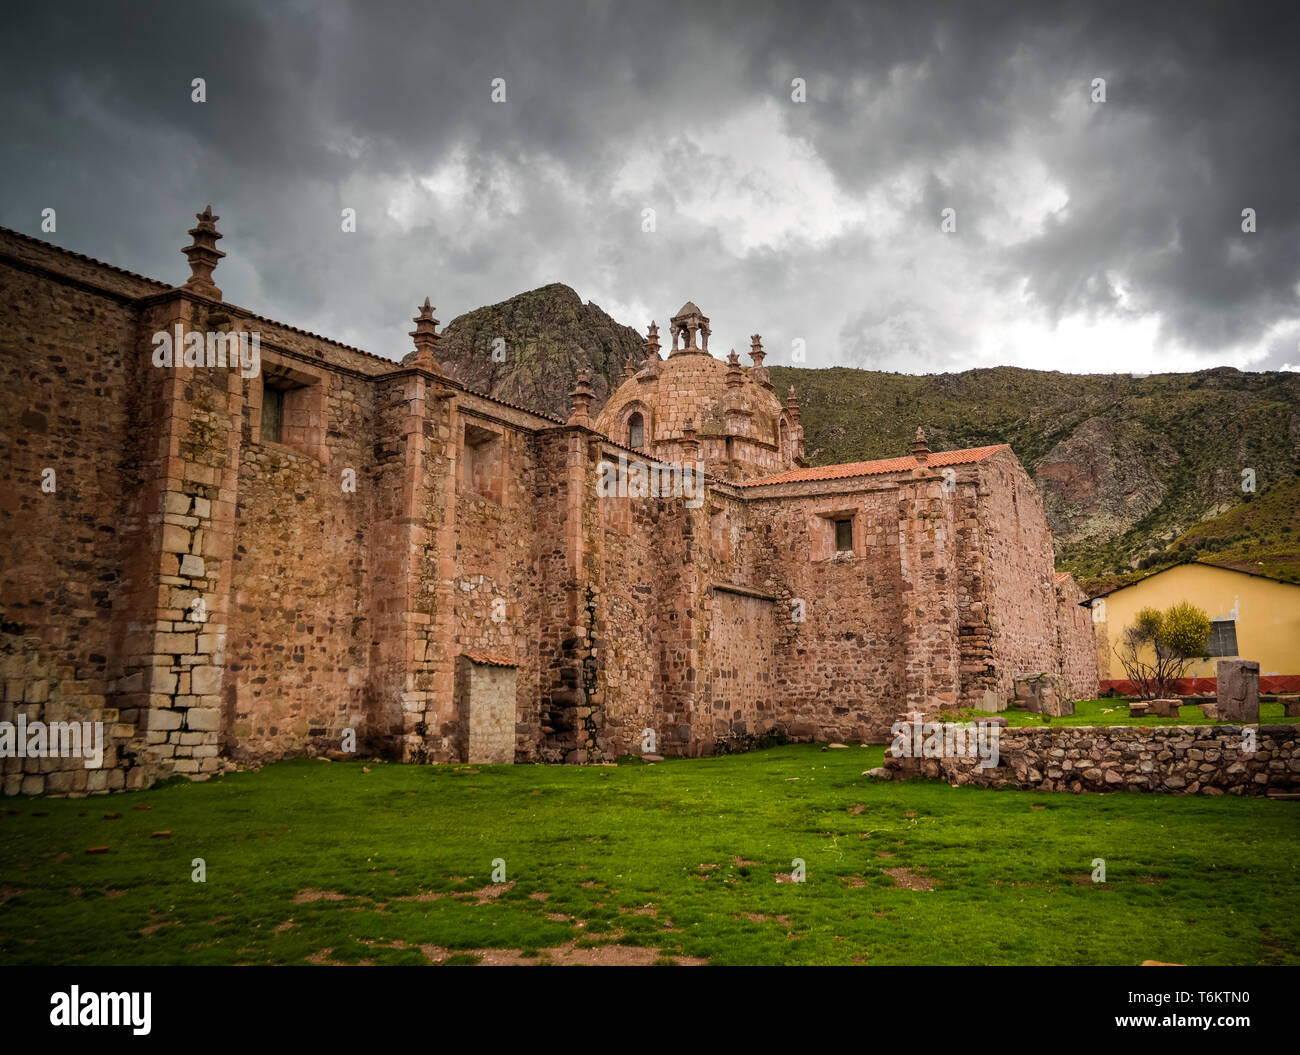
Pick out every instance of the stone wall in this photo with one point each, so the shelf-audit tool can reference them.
(839, 664)
(1076, 641)
(299, 629)
(69, 403)
(742, 658)
(1183, 760)
(1017, 560)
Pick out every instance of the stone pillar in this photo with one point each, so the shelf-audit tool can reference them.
(183, 578)
(929, 575)
(1238, 689)
(412, 713)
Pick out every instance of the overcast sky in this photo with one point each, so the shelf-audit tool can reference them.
(1090, 236)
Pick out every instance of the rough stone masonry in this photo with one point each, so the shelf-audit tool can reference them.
(1173, 759)
(333, 549)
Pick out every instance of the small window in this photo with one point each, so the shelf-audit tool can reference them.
(272, 414)
(844, 536)
(1223, 638)
(636, 432)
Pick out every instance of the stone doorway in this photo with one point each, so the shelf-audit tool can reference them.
(485, 690)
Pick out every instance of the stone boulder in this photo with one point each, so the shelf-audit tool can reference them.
(1044, 694)
(1238, 685)
(1166, 708)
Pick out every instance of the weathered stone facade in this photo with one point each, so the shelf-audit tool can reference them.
(1173, 759)
(248, 565)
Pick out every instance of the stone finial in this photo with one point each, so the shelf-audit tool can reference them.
(921, 452)
(581, 397)
(735, 376)
(690, 444)
(426, 338)
(650, 365)
(757, 354)
(203, 254)
(792, 405)
(920, 449)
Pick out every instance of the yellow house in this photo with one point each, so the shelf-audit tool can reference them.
(1252, 617)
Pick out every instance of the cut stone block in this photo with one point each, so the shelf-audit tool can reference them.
(1238, 688)
(1044, 694)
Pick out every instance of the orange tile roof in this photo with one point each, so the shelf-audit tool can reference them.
(485, 660)
(876, 468)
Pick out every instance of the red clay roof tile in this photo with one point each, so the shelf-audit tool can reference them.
(876, 468)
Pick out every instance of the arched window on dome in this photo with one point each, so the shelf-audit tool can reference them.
(636, 432)
(782, 434)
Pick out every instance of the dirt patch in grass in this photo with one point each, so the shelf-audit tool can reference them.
(759, 917)
(539, 895)
(8, 893)
(306, 897)
(571, 954)
(490, 892)
(152, 928)
(322, 958)
(909, 880)
(742, 863)
(423, 895)
(853, 881)
(640, 910)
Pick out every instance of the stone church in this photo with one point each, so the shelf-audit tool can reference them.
(227, 538)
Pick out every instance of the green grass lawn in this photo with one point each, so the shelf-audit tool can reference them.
(1115, 712)
(309, 861)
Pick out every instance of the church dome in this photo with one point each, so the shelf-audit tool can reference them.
(694, 407)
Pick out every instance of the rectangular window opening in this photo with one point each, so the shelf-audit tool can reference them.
(1223, 638)
(844, 536)
(272, 414)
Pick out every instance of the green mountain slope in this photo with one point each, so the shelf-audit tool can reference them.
(546, 334)
(1125, 465)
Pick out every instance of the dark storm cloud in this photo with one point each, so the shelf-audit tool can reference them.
(314, 108)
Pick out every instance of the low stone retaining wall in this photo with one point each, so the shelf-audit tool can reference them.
(1174, 759)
